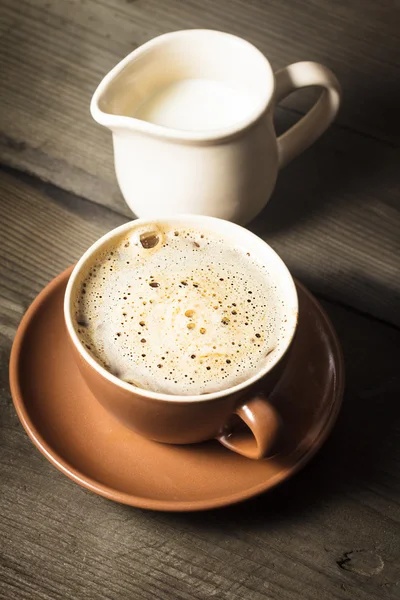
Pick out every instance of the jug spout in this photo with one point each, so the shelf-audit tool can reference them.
(112, 104)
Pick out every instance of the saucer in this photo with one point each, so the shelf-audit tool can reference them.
(75, 433)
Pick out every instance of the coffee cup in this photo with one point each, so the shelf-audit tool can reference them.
(240, 416)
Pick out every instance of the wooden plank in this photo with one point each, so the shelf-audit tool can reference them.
(361, 48)
(334, 218)
(334, 215)
(48, 81)
(55, 53)
(41, 236)
(331, 532)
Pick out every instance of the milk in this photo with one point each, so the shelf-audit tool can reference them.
(196, 105)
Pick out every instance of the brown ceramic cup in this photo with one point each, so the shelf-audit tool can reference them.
(241, 417)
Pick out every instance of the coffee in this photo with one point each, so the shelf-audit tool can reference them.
(196, 105)
(178, 311)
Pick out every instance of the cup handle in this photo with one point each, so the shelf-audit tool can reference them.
(319, 117)
(262, 431)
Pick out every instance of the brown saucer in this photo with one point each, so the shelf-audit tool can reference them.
(80, 438)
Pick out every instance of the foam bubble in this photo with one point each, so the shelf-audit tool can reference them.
(178, 311)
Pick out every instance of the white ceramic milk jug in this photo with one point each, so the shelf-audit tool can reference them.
(191, 113)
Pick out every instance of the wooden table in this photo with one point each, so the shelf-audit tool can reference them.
(332, 531)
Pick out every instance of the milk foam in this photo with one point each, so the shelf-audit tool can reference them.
(179, 311)
(196, 105)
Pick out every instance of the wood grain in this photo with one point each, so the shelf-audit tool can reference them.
(40, 238)
(331, 532)
(55, 53)
(334, 216)
(360, 42)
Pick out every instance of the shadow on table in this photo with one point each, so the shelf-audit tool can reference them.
(341, 166)
(361, 450)
(341, 190)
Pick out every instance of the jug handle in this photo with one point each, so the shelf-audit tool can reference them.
(318, 118)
